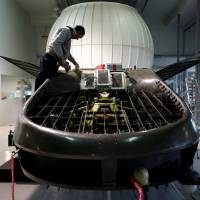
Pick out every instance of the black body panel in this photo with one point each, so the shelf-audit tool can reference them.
(150, 126)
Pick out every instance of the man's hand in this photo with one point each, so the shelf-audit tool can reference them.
(77, 67)
(66, 66)
(78, 72)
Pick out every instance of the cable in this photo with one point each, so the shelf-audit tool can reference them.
(136, 185)
(12, 175)
(145, 4)
(12, 172)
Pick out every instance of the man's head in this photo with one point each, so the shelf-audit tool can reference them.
(79, 32)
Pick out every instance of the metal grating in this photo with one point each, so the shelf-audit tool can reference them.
(135, 112)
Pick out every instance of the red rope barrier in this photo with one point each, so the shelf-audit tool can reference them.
(138, 188)
(12, 175)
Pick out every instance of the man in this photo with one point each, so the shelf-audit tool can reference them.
(58, 52)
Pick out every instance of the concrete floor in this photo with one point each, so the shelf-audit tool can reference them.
(5, 150)
(174, 191)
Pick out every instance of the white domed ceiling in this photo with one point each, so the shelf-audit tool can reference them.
(115, 33)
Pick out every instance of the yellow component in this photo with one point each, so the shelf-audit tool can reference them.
(82, 98)
(97, 106)
(104, 104)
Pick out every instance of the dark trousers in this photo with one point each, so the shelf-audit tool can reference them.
(48, 69)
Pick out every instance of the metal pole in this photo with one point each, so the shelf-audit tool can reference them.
(178, 36)
(197, 69)
(178, 82)
(197, 27)
(183, 53)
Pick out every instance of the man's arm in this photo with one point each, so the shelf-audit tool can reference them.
(71, 59)
(58, 42)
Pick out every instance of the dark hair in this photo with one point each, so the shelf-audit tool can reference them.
(80, 29)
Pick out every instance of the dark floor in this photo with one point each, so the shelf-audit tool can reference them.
(39, 192)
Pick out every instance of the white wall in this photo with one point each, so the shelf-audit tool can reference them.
(16, 41)
(164, 36)
(15, 32)
(9, 85)
(190, 41)
(164, 60)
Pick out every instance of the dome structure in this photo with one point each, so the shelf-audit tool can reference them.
(115, 33)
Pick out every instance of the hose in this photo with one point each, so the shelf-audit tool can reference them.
(136, 185)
